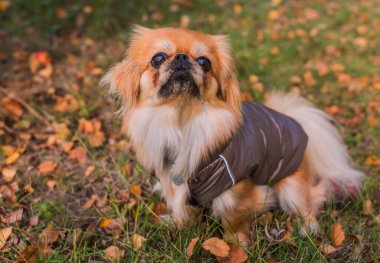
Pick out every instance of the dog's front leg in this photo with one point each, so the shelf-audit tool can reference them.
(176, 197)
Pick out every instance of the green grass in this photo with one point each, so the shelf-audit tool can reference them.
(32, 26)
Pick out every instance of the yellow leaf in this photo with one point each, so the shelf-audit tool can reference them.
(4, 235)
(337, 235)
(190, 248)
(217, 247)
(137, 241)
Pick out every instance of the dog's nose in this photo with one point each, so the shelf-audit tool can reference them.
(181, 57)
(181, 62)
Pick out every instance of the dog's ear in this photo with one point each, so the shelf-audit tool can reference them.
(227, 78)
(123, 79)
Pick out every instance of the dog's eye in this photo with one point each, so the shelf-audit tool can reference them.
(204, 63)
(158, 59)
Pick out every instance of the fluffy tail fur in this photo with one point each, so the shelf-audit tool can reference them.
(326, 154)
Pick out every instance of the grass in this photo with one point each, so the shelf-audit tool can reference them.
(273, 49)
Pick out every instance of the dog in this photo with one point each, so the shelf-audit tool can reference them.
(182, 112)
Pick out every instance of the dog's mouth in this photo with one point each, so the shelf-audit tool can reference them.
(181, 82)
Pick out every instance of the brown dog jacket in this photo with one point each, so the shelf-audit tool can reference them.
(267, 147)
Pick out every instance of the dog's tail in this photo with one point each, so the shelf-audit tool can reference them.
(326, 154)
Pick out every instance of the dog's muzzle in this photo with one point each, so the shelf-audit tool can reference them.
(180, 81)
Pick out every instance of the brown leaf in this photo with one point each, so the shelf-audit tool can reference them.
(96, 139)
(5, 233)
(309, 79)
(114, 252)
(90, 202)
(13, 217)
(328, 249)
(217, 247)
(158, 210)
(47, 167)
(311, 14)
(368, 207)
(190, 248)
(48, 235)
(377, 218)
(12, 107)
(8, 173)
(355, 238)
(237, 255)
(137, 241)
(337, 235)
(79, 154)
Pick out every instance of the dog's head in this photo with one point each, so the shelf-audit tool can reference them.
(163, 65)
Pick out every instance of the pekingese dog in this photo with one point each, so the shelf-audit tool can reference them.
(182, 112)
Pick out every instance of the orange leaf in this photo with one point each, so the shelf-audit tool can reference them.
(4, 235)
(48, 235)
(337, 235)
(12, 158)
(372, 160)
(47, 167)
(79, 154)
(137, 241)
(190, 248)
(90, 202)
(136, 190)
(217, 247)
(8, 173)
(328, 249)
(105, 222)
(237, 255)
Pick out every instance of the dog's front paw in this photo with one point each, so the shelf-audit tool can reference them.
(311, 227)
(172, 221)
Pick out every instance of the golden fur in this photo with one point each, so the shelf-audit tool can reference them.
(173, 135)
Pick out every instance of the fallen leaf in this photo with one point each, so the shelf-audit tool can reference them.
(49, 235)
(5, 233)
(273, 15)
(237, 255)
(90, 202)
(89, 170)
(105, 222)
(309, 79)
(328, 249)
(311, 14)
(372, 160)
(337, 235)
(136, 190)
(368, 207)
(8, 173)
(217, 247)
(190, 248)
(114, 252)
(377, 218)
(13, 217)
(79, 154)
(238, 8)
(33, 220)
(355, 238)
(12, 158)
(137, 241)
(47, 167)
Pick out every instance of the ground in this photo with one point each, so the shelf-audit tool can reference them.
(70, 188)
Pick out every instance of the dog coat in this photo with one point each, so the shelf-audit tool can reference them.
(267, 147)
